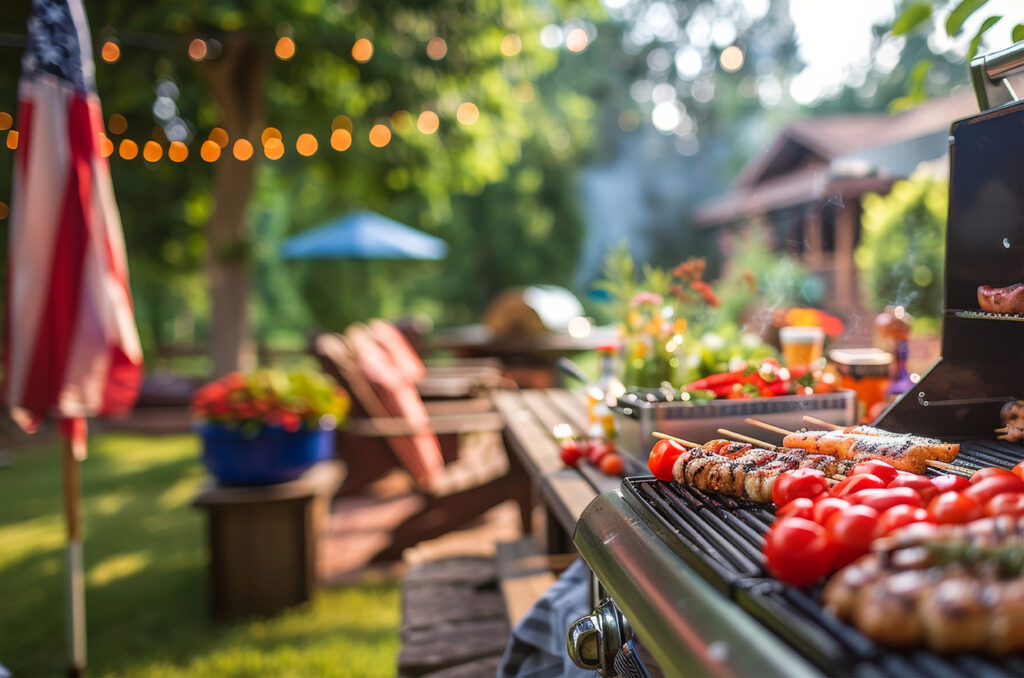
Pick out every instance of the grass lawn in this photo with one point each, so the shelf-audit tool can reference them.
(146, 580)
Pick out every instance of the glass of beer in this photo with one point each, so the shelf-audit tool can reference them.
(801, 346)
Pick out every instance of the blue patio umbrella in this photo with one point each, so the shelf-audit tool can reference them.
(363, 235)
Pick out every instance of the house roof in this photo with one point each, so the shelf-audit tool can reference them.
(799, 164)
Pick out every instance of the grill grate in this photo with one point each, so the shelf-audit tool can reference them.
(721, 538)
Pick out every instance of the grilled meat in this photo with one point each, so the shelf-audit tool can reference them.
(1012, 415)
(748, 472)
(907, 453)
(952, 588)
(1002, 299)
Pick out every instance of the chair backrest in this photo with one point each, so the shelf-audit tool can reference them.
(394, 343)
(382, 392)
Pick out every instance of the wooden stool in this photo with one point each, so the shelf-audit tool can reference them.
(263, 540)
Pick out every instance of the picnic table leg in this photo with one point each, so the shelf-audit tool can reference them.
(74, 450)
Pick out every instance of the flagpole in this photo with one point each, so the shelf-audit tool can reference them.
(73, 436)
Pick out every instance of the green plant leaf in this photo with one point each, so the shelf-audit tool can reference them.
(1018, 33)
(960, 13)
(989, 23)
(911, 18)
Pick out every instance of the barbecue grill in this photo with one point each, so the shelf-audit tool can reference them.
(679, 572)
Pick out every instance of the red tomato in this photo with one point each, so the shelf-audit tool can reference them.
(1018, 470)
(852, 530)
(801, 482)
(853, 483)
(611, 464)
(801, 507)
(948, 483)
(993, 485)
(886, 497)
(923, 486)
(597, 450)
(900, 515)
(826, 506)
(990, 472)
(584, 447)
(570, 452)
(663, 457)
(954, 507)
(798, 551)
(1006, 504)
(876, 467)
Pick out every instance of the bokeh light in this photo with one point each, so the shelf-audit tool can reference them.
(270, 133)
(110, 52)
(285, 48)
(306, 144)
(242, 150)
(219, 136)
(106, 146)
(380, 135)
(341, 122)
(511, 45)
(209, 151)
(467, 113)
(437, 48)
(4, 210)
(152, 151)
(128, 149)
(577, 40)
(341, 139)
(117, 124)
(6, 120)
(428, 122)
(273, 148)
(731, 59)
(362, 51)
(197, 49)
(12, 139)
(401, 121)
(177, 151)
(523, 91)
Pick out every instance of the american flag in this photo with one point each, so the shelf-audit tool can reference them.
(71, 348)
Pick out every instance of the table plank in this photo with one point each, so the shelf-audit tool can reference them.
(567, 493)
(530, 442)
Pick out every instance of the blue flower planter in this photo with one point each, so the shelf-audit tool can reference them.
(274, 455)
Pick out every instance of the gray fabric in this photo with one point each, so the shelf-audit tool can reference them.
(536, 647)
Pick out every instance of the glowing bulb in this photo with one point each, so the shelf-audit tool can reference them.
(177, 151)
(341, 122)
(268, 134)
(341, 139)
(128, 149)
(273, 149)
(106, 146)
(362, 51)
(152, 151)
(219, 136)
(197, 49)
(428, 122)
(117, 124)
(467, 113)
(209, 151)
(6, 120)
(242, 150)
(110, 52)
(380, 135)
(306, 144)
(285, 48)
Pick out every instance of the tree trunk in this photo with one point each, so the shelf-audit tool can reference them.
(237, 81)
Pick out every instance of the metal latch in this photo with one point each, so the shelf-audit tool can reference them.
(989, 73)
(593, 641)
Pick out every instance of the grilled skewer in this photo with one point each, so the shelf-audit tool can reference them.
(828, 464)
(940, 451)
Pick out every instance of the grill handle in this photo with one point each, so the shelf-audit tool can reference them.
(989, 73)
(593, 641)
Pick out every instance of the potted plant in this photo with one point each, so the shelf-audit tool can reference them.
(267, 426)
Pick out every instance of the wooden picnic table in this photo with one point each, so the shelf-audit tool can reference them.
(530, 415)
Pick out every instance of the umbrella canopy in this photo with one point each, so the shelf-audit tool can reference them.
(363, 235)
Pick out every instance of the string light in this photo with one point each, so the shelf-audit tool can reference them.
(209, 150)
(306, 144)
(4, 210)
(12, 139)
(106, 146)
(341, 139)
(219, 136)
(285, 48)
(273, 149)
(341, 122)
(380, 135)
(362, 51)
(437, 48)
(401, 121)
(128, 149)
(577, 40)
(242, 150)
(428, 122)
(110, 52)
(177, 151)
(511, 45)
(117, 124)
(6, 120)
(467, 113)
(197, 49)
(152, 151)
(270, 133)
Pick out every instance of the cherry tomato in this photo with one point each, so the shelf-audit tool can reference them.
(991, 472)
(663, 457)
(954, 507)
(993, 485)
(801, 482)
(1018, 470)
(886, 497)
(597, 450)
(851, 530)
(923, 486)
(900, 515)
(611, 464)
(584, 447)
(876, 467)
(826, 506)
(570, 452)
(1006, 504)
(861, 481)
(948, 483)
(798, 551)
(801, 507)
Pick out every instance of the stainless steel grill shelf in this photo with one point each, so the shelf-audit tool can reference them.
(721, 539)
(984, 315)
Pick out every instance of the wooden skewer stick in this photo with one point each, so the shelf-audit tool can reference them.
(665, 436)
(766, 426)
(1005, 429)
(949, 467)
(746, 439)
(821, 422)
